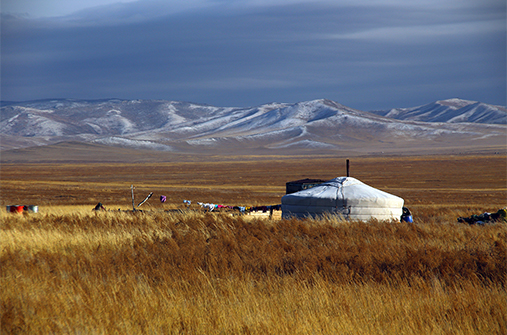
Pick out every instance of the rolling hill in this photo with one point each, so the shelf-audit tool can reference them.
(318, 126)
(450, 110)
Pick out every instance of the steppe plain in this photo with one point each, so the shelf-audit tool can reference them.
(68, 270)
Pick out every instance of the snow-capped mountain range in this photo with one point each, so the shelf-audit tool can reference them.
(450, 110)
(318, 125)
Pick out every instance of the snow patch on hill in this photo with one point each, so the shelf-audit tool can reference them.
(29, 125)
(113, 122)
(306, 144)
(124, 142)
(455, 103)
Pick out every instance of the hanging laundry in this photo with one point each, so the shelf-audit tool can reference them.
(243, 209)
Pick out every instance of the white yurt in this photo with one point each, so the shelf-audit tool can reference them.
(345, 196)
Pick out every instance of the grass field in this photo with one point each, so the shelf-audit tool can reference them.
(424, 180)
(68, 270)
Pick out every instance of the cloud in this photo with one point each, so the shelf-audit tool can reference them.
(241, 83)
(52, 8)
(387, 54)
(416, 34)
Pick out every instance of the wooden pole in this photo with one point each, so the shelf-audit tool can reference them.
(133, 204)
(348, 167)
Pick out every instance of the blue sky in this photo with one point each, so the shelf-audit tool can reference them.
(375, 54)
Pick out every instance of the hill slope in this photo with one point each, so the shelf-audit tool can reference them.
(450, 110)
(310, 126)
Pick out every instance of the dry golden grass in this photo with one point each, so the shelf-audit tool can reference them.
(69, 270)
(435, 180)
(213, 273)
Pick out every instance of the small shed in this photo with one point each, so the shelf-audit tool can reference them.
(303, 184)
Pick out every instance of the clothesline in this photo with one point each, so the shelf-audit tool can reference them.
(211, 207)
(243, 209)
